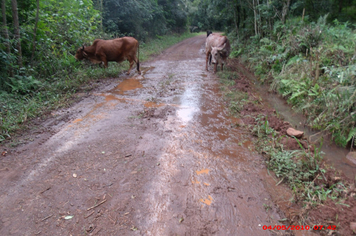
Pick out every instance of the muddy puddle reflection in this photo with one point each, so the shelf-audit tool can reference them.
(208, 176)
(189, 103)
(126, 85)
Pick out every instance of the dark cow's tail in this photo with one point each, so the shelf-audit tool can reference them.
(138, 58)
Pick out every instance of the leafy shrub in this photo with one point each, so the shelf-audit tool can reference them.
(314, 67)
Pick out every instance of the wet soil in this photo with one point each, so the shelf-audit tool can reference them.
(151, 154)
(339, 171)
(341, 158)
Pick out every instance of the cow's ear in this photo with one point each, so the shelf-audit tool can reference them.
(222, 49)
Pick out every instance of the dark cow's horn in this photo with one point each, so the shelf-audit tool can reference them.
(83, 47)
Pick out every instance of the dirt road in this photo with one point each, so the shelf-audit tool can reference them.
(155, 154)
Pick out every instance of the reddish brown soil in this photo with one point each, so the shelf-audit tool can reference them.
(255, 107)
(155, 154)
(340, 214)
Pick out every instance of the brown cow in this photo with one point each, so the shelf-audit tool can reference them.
(217, 50)
(119, 49)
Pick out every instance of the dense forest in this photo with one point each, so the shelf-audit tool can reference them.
(304, 49)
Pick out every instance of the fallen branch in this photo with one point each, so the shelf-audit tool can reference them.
(89, 214)
(46, 217)
(96, 205)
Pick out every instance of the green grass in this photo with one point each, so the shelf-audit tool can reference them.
(32, 98)
(236, 100)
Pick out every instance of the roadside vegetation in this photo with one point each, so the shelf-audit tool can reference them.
(303, 49)
(316, 186)
(312, 65)
(38, 41)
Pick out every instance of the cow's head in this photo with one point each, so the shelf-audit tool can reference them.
(217, 53)
(80, 54)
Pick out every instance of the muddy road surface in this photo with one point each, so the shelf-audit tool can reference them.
(151, 154)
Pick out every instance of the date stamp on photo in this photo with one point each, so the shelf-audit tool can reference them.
(299, 227)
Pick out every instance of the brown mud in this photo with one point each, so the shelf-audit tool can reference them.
(151, 154)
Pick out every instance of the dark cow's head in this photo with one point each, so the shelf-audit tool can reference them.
(208, 33)
(217, 53)
(80, 54)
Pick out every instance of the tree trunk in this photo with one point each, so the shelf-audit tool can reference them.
(340, 5)
(243, 14)
(101, 15)
(15, 17)
(255, 16)
(285, 10)
(237, 18)
(5, 32)
(4, 26)
(35, 32)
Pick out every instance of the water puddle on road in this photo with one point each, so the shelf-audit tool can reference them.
(126, 85)
(208, 173)
(207, 201)
(189, 103)
(206, 176)
(204, 171)
(153, 104)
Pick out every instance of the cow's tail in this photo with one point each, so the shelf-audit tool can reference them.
(138, 58)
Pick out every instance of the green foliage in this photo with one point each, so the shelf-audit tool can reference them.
(144, 19)
(313, 67)
(298, 168)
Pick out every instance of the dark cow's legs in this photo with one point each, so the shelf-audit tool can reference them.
(137, 65)
(131, 64)
(103, 60)
(133, 60)
(208, 55)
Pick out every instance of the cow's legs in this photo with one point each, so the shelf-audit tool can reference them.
(137, 64)
(103, 60)
(222, 65)
(131, 64)
(215, 67)
(207, 59)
